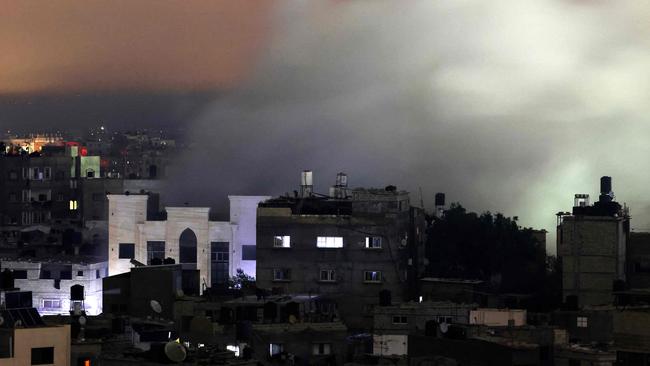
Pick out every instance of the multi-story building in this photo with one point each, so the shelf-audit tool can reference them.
(591, 245)
(351, 245)
(50, 280)
(186, 234)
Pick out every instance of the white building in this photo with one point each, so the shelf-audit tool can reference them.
(216, 248)
(50, 281)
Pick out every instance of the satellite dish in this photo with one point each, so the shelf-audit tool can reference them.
(155, 306)
(444, 328)
(175, 352)
(82, 320)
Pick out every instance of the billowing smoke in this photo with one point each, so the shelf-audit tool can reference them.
(509, 106)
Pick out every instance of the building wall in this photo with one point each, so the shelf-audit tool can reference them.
(498, 317)
(354, 295)
(592, 252)
(417, 315)
(44, 289)
(638, 257)
(128, 224)
(28, 338)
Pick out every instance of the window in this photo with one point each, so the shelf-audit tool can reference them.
(25, 195)
(248, 252)
(127, 251)
(98, 274)
(65, 275)
(444, 319)
(281, 274)
(322, 349)
(43, 356)
(329, 242)
(155, 249)
(80, 273)
(42, 197)
(37, 174)
(47, 173)
(327, 275)
(25, 173)
(59, 197)
(20, 274)
(373, 242)
(73, 205)
(275, 349)
(581, 322)
(372, 276)
(399, 319)
(282, 241)
(73, 184)
(90, 173)
(219, 261)
(52, 303)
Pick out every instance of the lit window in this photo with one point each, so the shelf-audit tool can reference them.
(399, 319)
(581, 321)
(281, 274)
(275, 349)
(322, 349)
(282, 241)
(329, 242)
(373, 242)
(327, 275)
(73, 205)
(372, 276)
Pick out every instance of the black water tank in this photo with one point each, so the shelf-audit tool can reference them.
(156, 261)
(169, 260)
(77, 293)
(440, 199)
(605, 184)
(18, 299)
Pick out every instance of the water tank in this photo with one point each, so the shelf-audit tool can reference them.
(306, 178)
(440, 199)
(342, 180)
(605, 185)
(77, 293)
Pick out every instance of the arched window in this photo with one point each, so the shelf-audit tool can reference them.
(187, 246)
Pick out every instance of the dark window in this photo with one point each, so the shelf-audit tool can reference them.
(66, 275)
(127, 251)
(248, 252)
(46, 274)
(155, 249)
(80, 273)
(219, 261)
(20, 274)
(187, 244)
(42, 197)
(97, 274)
(43, 356)
(59, 197)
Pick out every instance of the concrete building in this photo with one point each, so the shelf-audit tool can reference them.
(187, 235)
(498, 317)
(591, 244)
(32, 342)
(50, 280)
(352, 245)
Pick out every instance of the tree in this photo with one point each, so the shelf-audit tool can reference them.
(489, 247)
(241, 280)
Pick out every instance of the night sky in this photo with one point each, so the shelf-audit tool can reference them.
(508, 106)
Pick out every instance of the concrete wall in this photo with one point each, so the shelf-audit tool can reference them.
(27, 338)
(417, 315)
(498, 317)
(243, 217)
(43, 289)
(592, 251)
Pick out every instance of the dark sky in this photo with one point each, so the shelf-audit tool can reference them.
(508, 106)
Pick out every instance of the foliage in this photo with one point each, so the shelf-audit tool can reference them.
(490, 247)
(241, 280)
